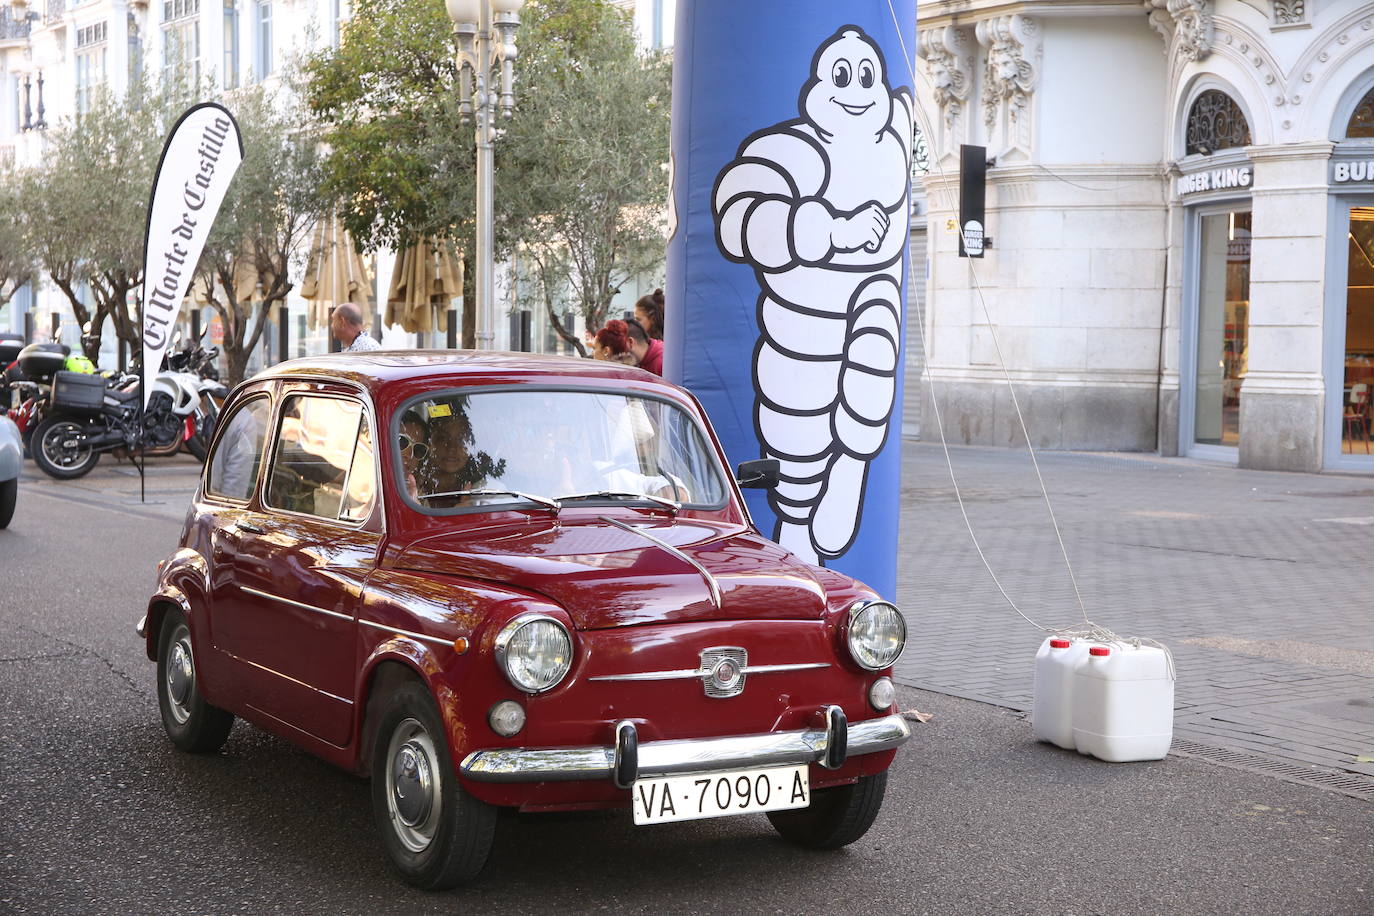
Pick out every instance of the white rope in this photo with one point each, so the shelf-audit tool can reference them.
(1088, 629)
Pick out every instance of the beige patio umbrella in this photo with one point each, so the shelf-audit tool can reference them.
(426, 278)
(245, 285)
(335, 273)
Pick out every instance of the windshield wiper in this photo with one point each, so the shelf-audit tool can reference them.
(615, 494)
(541, 500)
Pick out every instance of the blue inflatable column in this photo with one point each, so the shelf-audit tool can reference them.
(787, 266)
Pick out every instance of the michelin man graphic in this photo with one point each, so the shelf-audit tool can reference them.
(818, 206)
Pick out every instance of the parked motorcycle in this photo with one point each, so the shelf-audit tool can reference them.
(87, 416)
(194, 365)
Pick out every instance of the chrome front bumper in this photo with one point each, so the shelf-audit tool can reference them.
(627, 759)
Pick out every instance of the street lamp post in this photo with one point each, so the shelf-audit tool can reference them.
(485, 30)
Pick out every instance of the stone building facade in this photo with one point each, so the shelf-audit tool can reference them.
(1181, 214)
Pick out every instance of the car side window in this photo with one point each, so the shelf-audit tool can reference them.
(238, 454)
(323, 463)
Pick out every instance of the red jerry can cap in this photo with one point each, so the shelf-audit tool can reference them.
(1059, 643)
(1100, 651)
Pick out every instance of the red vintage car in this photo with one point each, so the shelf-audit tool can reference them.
(493, 580)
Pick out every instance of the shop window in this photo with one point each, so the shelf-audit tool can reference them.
(1362, 121)
(1215, 122)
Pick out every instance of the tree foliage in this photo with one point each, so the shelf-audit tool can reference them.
(262, 231)
(85, 208)
(583, 167)
(17, 263)
(580, 176)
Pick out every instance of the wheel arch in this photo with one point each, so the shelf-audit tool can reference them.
(389, 666)
(158, 606)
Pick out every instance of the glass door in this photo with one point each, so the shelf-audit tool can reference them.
(1221, 337)
(1358, 380)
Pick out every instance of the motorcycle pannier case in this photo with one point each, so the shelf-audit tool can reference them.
(39, 361)
(78, 391)
(9, 349)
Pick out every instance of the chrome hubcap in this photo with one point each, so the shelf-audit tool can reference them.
(181, 675)
(413, 785)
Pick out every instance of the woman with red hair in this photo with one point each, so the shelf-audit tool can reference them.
(612, 343)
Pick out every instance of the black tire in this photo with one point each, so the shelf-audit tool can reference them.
(192, 724)
(53, 457)
(432, 846)
(836, 817)
(9, 492)
(198, 447)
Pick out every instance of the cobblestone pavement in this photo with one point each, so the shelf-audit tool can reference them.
(1259, 582)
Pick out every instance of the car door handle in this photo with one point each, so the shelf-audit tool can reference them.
(247, 526)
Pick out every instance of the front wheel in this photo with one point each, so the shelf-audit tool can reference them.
(436, 835)
(192, 724)
(836, 817)
(60, 450)
(9, 492)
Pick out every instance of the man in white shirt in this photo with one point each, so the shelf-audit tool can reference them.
(347, 327)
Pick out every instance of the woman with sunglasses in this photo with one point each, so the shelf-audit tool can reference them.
(414, 443)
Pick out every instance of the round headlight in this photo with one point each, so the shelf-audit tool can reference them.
(534, 651)
(877, 634)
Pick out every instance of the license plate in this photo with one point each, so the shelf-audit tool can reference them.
(664, 799)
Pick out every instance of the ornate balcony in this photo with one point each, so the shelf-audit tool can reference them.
(10, 28)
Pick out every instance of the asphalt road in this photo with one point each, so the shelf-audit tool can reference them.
(98, 814)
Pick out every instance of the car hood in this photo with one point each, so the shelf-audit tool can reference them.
(607, 576)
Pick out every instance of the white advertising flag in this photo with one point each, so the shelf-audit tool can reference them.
(202, 153)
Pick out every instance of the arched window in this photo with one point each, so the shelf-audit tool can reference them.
(1362, 121)
(1215, 122)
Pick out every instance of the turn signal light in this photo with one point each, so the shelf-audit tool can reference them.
(460, 645)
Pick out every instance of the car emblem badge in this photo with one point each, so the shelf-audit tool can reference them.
(722, 671)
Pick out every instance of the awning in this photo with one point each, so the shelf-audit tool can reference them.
(335, 273)
(426, 280)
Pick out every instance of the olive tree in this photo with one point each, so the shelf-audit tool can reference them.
(259, 238)
(17, 263)
(580, 169)
(85, 209)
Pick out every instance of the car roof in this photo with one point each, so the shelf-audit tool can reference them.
(378, 369)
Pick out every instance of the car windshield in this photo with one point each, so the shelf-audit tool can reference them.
(463, 450)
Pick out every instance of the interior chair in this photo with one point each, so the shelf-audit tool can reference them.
(1357, 414)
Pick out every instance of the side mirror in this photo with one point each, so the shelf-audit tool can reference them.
(762, 473)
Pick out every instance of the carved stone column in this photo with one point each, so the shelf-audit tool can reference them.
(1013, 45)
(949, 57)
(1183, 24)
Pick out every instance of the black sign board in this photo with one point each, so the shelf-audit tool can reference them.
(973, 185)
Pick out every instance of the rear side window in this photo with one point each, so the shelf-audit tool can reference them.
(323, 462)
(238, 454)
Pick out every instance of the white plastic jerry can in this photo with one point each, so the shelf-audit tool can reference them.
(1123, 705)
(1052, 710)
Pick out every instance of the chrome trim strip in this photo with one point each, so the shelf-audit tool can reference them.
(437, 640)
(769, 669)
(682, 674)
(287, 677)
(299, 604)
(710, 580)
(693, 755)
